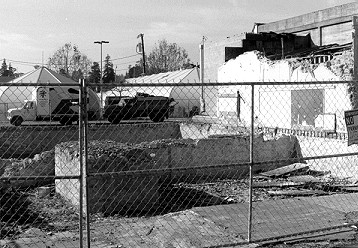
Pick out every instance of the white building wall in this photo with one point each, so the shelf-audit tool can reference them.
(273, 103)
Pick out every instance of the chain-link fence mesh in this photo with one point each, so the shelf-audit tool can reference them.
(175, 165)
(37, 118)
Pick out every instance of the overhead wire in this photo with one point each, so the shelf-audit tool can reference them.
(39, 63)
(125, 57)
(125, 63)
(129, 56)
(22, 62)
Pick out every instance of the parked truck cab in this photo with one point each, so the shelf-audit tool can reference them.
(19, 115)
(58, 103)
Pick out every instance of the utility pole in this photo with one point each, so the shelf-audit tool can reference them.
(202, 95)
(282, 49)
(142, 44)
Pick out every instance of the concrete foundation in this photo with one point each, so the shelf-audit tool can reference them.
(190, 160)
(108, 194)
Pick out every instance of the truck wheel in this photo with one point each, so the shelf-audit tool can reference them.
(66, 121)
(158, 117)
(111, 118)
(17, 120)
(117, 119)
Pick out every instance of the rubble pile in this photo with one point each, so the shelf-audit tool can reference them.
(342, 65)
(42, 164)
(295, 180)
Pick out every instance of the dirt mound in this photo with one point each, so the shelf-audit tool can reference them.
(23, 210)
(15, 212)
(40, 165)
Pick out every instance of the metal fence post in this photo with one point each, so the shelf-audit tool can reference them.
(80, 131)
(83, 153)
(249, 229)
(85, 146)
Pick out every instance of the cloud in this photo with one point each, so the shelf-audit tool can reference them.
(173, 32)
(237, 3)
(16, 41)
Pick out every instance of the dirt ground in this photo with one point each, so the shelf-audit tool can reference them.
(25, 214)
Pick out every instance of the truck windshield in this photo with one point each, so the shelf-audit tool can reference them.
(28, 105)
(122, 102)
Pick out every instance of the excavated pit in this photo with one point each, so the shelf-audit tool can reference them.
(131, 177)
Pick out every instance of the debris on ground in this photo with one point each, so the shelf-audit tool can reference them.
(285, 170)
(23, 209)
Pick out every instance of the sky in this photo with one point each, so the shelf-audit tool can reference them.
(32, 30)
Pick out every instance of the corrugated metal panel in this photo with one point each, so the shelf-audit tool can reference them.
(170, 77)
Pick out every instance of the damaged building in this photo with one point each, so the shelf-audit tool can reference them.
(317, 46)
(317, 105)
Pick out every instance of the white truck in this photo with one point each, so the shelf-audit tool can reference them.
(55, 103)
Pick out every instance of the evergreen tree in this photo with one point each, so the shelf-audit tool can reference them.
(3, 70)
(109, 75)
(11, 71)
(6, 71)
(95, 75)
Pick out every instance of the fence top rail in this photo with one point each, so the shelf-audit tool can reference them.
(198, 84)
(172, 84)
(38, 84)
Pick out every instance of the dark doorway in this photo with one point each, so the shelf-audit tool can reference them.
(306, 105)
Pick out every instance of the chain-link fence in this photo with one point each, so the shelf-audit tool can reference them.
(175, 164)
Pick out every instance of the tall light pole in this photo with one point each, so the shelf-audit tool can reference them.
(101, 80)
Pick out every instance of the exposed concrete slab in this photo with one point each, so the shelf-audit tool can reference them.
(108, 193)
(189, 160)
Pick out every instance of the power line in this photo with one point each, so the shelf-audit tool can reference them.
(127, 62)
(125, 57)
(54, 64)
(22, 62)
(39, 63)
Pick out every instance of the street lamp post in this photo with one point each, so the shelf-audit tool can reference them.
(101, 80)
